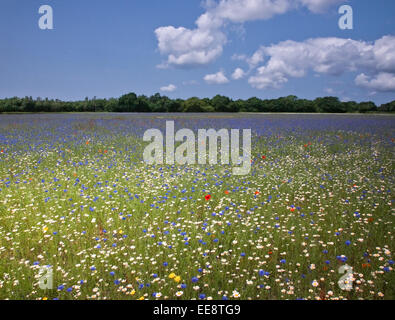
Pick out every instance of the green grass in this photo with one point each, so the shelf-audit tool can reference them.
(335, 171)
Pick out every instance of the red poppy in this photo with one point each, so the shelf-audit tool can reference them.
(256, 192)
(263, 157)
(292, 209)
(226, 192)
(208, 197)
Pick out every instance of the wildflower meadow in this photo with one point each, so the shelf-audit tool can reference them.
(79, 204)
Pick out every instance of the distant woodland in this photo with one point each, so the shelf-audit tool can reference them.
(158, 103)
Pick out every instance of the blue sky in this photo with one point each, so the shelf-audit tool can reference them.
(280, 47)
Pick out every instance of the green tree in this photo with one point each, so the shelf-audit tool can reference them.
(221, 104)
(367, 107)
(329, 105)
(195, 104)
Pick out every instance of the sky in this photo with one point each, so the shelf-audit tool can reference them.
(185, 48)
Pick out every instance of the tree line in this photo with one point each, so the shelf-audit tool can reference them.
(157, 103)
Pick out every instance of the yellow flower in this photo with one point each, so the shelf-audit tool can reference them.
(172, 275)
(132, 292)
(120, 231)
(45, 298)
(177, 279)
(45, 229)
(141, 298)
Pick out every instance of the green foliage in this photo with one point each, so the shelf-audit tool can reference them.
(156, 103)
(388, 107)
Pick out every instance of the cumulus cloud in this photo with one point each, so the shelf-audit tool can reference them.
(169, 88)
(319, 6)
(202, 45)
(238, 74)
(249, 10)
(383, 82)
(186, 47)
(216, 78)
(329, 91)
(331, 56)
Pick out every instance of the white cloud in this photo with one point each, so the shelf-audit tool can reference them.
(256, 58)
(238, 74)
(216, 78)
(186, 47)
(329, 91)
(384, 52)
(248, 10)
(240, 57)
(333, 56)
(169, 88)
(202, 45)
(190, 83)
(319, 6)
(382, 82)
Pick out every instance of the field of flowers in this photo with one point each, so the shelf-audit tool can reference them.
(76, 195)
